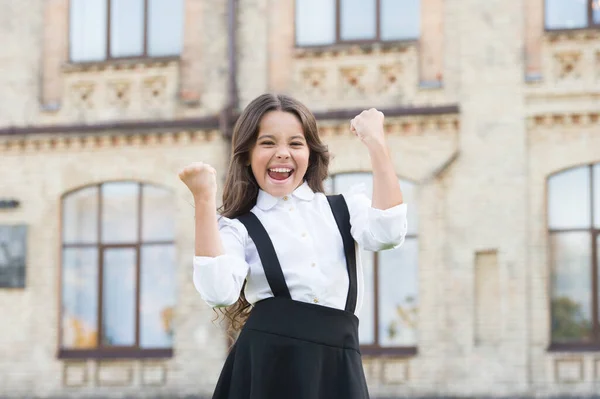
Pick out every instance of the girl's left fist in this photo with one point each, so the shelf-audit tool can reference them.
(368, 126)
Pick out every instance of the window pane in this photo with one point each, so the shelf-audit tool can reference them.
(315, 22)
(571, 287)
(120, 212)
(569, 199)
(398, 295)
(158, 214)
(165, 27)
(157, 296)
(566, 14)
(596, 11)
(87, 33)
(409, 196)
(400, 19)
(358, 19)
(80, 298)
(126, 28)
(596, 173)
(80, 216)
(118, 297)
(366, 327)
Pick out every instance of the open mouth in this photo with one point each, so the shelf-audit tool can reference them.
(280, 174)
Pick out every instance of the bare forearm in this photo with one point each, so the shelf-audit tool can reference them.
(207, 241)
(386, 189)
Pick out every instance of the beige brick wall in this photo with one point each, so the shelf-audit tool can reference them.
(480, 174)
(281, 39)
(30, 317)
(253, 49)
(20, 61)
(213, 65)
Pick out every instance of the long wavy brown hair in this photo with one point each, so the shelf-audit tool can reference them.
(241, 189)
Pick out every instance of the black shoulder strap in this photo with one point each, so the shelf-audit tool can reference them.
(267, 255)
(342, 218)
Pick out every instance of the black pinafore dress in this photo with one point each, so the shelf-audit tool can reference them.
(295, 350)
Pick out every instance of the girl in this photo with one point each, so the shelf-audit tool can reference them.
(285, 250)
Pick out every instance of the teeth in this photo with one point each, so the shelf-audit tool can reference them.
(280, 170)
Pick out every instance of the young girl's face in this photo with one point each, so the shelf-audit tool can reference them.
(279, 158)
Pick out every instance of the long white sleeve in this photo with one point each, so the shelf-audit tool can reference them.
(219, 279)
(375, 229)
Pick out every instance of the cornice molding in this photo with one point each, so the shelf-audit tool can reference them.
(45, 143)
(562, 120)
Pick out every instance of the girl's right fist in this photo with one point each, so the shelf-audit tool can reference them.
(201, 179)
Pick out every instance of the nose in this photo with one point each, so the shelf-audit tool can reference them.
(282, 153)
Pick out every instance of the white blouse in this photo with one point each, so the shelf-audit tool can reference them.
(308, 245)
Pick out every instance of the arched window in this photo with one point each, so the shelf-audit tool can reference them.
(574, 224)
(118, 271)
(388, 321)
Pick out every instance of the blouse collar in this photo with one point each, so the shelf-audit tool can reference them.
(266, 201)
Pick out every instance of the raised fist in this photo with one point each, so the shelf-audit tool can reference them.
(201, 179)
(368, 126)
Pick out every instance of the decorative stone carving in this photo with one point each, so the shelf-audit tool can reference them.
(313, 81)
(119, 94)
(570, 62)
(352, 76)
(352, 80)
(122, 90)
(390, 76)
(81, 95)
(153, 91)
(568, 65)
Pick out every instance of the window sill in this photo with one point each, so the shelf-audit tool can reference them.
(563, 347)
(562, 31)
(377, 351)
(116, 353)
(351, 47)
(120, 63)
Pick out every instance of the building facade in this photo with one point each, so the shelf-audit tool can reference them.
(493, 118)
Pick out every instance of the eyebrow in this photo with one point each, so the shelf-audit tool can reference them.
(270, 136)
